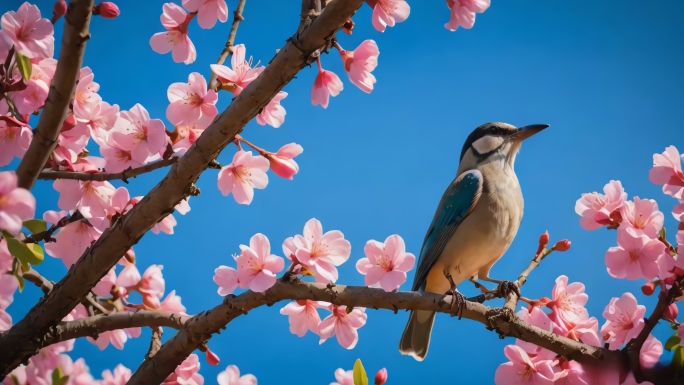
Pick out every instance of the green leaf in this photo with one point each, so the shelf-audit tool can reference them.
(678, 358)
(35, 225)
(14, 378)
(24, 65)
(21, 280)
(58, 377)
(360, 377)
(26, 253)
(672, 342)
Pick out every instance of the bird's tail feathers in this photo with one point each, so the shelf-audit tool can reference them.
(416, 338)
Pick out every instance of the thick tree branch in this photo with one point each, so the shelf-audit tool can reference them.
(228, 49)
(76, 23)
(202, 326)
(102, 176)
(21, 341)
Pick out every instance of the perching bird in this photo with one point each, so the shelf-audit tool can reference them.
(474, 224)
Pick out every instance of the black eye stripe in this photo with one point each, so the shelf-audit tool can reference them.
(500, 129)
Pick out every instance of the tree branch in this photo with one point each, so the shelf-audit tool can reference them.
(76, 23)
(21, 341)
(155, 341)
(202, 326)
(102, 176)
(93, 326)
(228, 49)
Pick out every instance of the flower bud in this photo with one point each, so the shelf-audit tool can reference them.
(648, 288)
(348, 27)
(107, 10)
(670, 313)
(544, 239)
(562, 245)
(282, 167)
(58, 10)
(212, 358)
(381, 376)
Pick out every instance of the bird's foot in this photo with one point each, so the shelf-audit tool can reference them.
(507, 287)
(458, 302)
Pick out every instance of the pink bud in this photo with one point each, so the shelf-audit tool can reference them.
(58, 10)
(107, 10)
(563, 245)
(381, 376)
(282, 162)
(670, 313)
(212, 358)
(544, 239)
(648, 288)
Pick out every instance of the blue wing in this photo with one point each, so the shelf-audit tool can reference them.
(457, 202)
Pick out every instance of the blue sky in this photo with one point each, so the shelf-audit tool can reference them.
(605, 75)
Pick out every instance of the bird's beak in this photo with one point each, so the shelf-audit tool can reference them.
(527, 131)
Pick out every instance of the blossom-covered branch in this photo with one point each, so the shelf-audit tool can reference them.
(102, 176)
(201, 326)
(20, 341)
(228, 49)
(77, 22)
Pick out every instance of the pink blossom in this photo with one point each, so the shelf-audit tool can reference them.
(14, 141)
(575, 374)
(568, 301)
(303, 316)
(343, 377)
(104, 287)
(273, 114)
(86, 96)
(91, 198)
(191, 102)
(5, 45)
(242, 73)
(624, 320)
(584, 329)
(677, 211)
(595, 209)
(32, 97)
(16, 204)
(643, 216)
(152, 282)
(256, 266)
(80, 374)
(71, 241)
(31, 35)
(117, 158)
(185, 136)
(120, 376)
(522, 369)
(650, 352)
(242, 176)
(360, 63)
(116, 337)
(227, 280)
(667, 171)
(343, 324)
(636, 256)
(388, 12)
(100, 119)
(134, 131)
(6, 259)
(318, 252)
(386, 263)
(71, 142)
(327, 83)
(8, 285)
(176, 39)
(186, 373)
(231, 376)
(208, 11)
(129, 276)
(172, 303)
(282, 162)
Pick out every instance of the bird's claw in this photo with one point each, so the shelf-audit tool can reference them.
(507, 287)
(458, 302)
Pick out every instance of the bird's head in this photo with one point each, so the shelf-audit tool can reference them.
(495, 142)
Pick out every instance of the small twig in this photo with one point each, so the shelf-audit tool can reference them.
(46, 235)
(155, 341)
(512, 300)
(35, 278)
(260, 150)
(103, 176)
(228, 49)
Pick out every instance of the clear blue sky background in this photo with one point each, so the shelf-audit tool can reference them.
(605, 74)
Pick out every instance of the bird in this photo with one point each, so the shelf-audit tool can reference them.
(474, 224)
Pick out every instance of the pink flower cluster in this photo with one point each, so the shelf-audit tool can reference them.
(569, 318)
(303, 316)
(187, 373)
(176, 20)
(231, 376)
